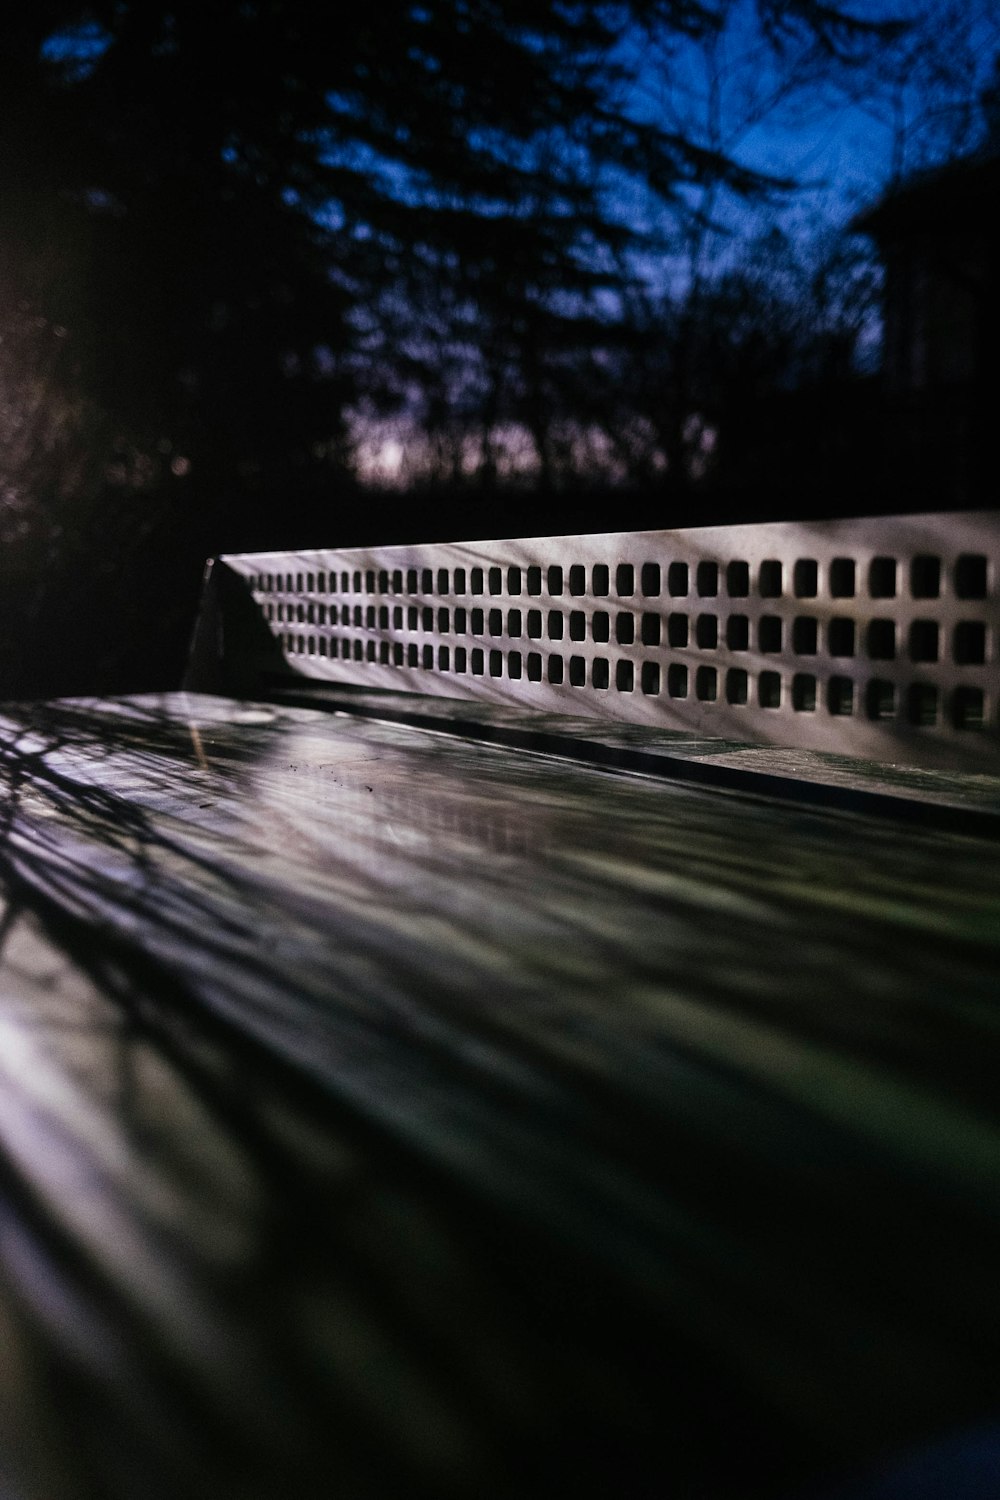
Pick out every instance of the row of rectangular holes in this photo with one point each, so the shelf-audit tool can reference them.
(969, 579)
(921, 701)
(968, 639)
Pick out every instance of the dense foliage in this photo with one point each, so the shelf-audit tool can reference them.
(234, 234)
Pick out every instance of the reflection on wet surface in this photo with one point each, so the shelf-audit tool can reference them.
(382, 1113)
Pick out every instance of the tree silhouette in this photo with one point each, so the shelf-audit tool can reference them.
(224, 225)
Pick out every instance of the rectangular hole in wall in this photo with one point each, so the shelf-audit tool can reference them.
(677, 630)
(397, 653)
(804, 693)
(495, 580)
(555, 669)
(842, 578)
(804, 635)
(555, 625)
(461, 659)
(461, 620)
(706, 632)
(650, 632)
(427, 657)
(922, 704)
(970, 576)
(514, 665)
(624, 676)
(649, 579)
(383, 581)
(442, 587)
(738, 580)
(650, 678)
(769, 690)
(534, 623)
(924, 640)
(600, 625)
(513, 581)
(577, 625)
(383, 652)
(769, 579)
(427, 617)
(534, 580)
(624, 629)
(578, 579)
(737, 685)
(459, 580)
(880, 699)
(840, 696)
(707, 579)
(534, 666)
(625, 580)
(677, 680)
(412, 657)
(444, 658)
(925, 576)
(880, 640)
(601, 580)
(478, 661)
(840, 636)
(427, 581)
(411, 580)
(555, 581)
(677, 580)
(769, 633)
(496, 663)
(496, 621)
(578, 671)
(599, 672)
(706, 684)
(969, 643)
(514, 622)
(476, 581)
(444, 620)
(882, 578)
(968, 708)
(738, 633)
(478, 622)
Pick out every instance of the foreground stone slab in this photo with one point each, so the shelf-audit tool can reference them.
(389, 1112)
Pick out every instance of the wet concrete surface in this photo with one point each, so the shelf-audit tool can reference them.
(386, 1112)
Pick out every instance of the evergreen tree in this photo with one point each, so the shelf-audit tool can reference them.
(223, 224)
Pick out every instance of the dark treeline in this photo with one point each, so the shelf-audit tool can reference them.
(239, 240)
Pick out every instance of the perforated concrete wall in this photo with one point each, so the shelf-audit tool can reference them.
(868, 636)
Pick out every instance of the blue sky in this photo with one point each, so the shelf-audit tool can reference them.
(840, 139)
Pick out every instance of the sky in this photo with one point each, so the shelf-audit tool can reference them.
(842, 151)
